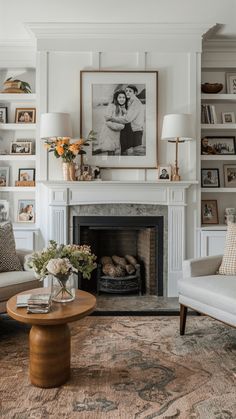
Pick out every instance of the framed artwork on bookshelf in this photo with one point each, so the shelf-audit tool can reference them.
(25, 115)
(209, 210)
(4, 210)
(4, 176)
(231, 83)
(210, 178)
(3, 114)
(26, 211)
(228, 118)
(223, 145)
(21, 147)
(230, 175)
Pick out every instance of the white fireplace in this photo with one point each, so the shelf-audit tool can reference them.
(60, 197)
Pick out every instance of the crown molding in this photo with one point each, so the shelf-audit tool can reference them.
(220, 44)
(17, 53)
(42, 30)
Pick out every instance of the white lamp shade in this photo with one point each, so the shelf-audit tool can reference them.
(177, 125)
(55, 124)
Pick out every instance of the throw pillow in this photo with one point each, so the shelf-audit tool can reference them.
(228, 265)
(9, 260)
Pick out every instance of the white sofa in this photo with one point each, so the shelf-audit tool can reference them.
(16, 281)
(206, 292)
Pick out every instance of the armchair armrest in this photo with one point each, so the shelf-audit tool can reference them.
(202, 266)
(22, 255)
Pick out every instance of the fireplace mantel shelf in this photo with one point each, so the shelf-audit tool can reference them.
(68, 184)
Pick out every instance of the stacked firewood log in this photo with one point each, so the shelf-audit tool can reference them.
(116, 266)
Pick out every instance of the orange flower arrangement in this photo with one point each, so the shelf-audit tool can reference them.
(67, 150)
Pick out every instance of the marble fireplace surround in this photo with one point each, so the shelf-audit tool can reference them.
(120, 198)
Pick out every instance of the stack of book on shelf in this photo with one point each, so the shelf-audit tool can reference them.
(35, 303)
(208, 114)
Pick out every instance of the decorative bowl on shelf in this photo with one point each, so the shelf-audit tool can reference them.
(211, 87)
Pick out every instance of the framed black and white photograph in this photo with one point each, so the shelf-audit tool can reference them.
(25, 115)
(230, 175)
(228, 118)
(121, 107)
(209, 211)
(210, 178)
(164, 173)
(26, 175)
(231, 83)
(26, 211)
(3, 114)
(223, 145)
(4, 210)
(4, 176)
(21, 147)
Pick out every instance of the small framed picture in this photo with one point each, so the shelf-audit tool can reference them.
(231, 83)
(4, 210)
(228, 118)
(3, 114)
(25, 115)
(223, 145)
(209, 212)
(210, 178)
(21, 147)
(26, 211)
(164, 173)
(26, 175)
(230, 175)
(4, 176)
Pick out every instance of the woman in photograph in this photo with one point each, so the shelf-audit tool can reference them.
(25, 117)
(26, 213)
(109, 138)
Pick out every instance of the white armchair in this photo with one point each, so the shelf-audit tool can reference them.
(16, 281)
(203, 290)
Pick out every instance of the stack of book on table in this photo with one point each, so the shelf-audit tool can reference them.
(35, 303)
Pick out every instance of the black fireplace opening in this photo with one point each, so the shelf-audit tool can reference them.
(115, 237)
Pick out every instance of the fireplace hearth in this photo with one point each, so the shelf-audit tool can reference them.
(139, 236)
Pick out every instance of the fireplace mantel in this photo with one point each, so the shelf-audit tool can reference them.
(61, 195)
(108, 192)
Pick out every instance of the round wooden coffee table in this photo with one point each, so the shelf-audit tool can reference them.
(49, 338)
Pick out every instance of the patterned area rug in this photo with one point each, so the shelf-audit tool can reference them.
(127, 367)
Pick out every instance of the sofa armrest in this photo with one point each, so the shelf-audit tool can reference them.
(22, 255)
(202, 266)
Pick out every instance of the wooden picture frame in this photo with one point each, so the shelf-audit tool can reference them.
(230, 175)
(209, 211)
(231, 83)
(228, 118)
(4, 176)
(3, 115)
(222, 145)
(26, 175)
(106, 101)
(25, 116)
(21, 147)
(210, 178)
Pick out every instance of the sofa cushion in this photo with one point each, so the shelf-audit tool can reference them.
(228, 265)
(13, 282)
(218, 291)
(9, 260)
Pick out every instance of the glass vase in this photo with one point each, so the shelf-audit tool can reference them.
(63, 289)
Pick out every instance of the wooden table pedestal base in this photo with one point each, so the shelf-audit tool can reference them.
(49, 355)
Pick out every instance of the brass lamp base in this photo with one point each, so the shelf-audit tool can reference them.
(176, 177)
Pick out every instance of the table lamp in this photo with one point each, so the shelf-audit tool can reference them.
(55, 125)
(177, 128)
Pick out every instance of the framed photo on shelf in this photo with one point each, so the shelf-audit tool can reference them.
(3, 114)
(26, 175)
(4, 210)
(4, 176)
(231, 83)
(121, 107)
(21, 147)
(209, 212)
(230, 175)
(26, 211)
(164, 173)
(210, 178)
(223, 145)
(228, 118)
(25, 115)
